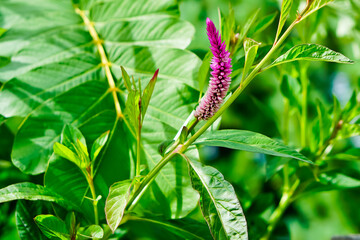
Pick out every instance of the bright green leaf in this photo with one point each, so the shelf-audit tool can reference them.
(310, 52)
(250, 48)
(98, 145)
(31, 191)
(92, 231)
(70, 136)
(126, 78)
(146, 95)
(52, 227)
(66, 153)
(285, 10)
(218, 202)
(314, 6)
(249, 141)
(116, 202)
(204, 71)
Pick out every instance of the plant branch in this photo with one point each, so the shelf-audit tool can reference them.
(285, 201)
(104, 60)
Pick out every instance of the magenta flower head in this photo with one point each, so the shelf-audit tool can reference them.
(219, 80)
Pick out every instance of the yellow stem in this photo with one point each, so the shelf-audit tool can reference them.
(104, 60)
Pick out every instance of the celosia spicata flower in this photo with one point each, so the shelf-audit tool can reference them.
(219, 80)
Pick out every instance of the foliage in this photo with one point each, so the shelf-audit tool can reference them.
(96, 111)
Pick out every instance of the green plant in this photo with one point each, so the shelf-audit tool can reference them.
(76, 75)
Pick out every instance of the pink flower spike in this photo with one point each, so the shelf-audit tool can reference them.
(219, 80)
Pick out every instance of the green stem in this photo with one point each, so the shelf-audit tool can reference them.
(304, 86)
(182, 148)
(94, 200)
(148, 179)
(285, 201)
(137, 172)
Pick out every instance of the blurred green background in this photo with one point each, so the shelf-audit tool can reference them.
(317, 216)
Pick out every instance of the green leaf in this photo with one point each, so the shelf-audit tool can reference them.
(314, 6)
(333, 180)
(146, 95)
(70, 136)
(204, 71)
(249, 141)
(92, 231)
(52, 227)
(172, 229)
(56, 77)
(250, 21)
(31, 191)
(310, 52)
(66, 153)
(262, 24)
(26, 211)
(98, 145)
(250, 48)
(66, 179)
(116, 202)
(126, 78)
(349, 130)
(285, 10)
(218, 202)
(290, 88)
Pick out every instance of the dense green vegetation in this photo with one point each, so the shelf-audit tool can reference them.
(98, 139)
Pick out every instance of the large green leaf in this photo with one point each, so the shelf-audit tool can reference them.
(31, 191)
(218, 202)
(311, 52)
(56, 76)
(249, 141)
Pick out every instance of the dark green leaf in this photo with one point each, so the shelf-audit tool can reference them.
(26, 211)
(116, 202)
(52, 227)
(249, 141)
(160, 229)
(218, 202)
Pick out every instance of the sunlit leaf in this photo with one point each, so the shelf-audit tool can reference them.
(92, 231)
(33, 192)
(98, 145)
(285, 10)
(66, 153)
(52, 227)
(310, 52)
(250, 48)
(218, 202)
(249, 141)
(116, 202)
